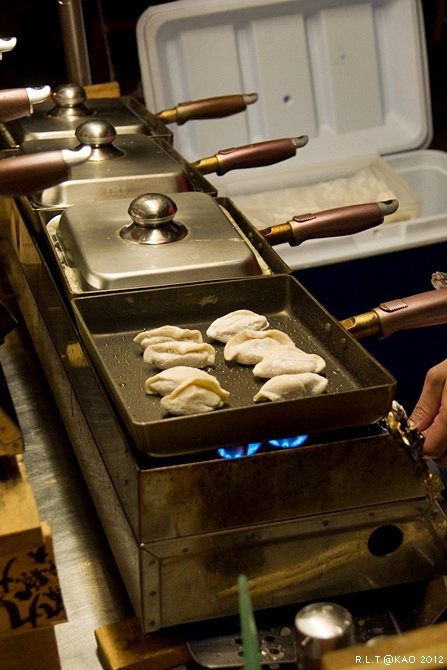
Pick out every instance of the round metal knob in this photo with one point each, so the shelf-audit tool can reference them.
(97, 133)
(319, 628)
(69, 102)
(69, 95)
(100, 135)
(152, 217)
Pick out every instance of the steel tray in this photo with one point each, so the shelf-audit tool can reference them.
(360, 390)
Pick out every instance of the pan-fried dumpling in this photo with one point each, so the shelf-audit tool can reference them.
(223, 328)
(291, 387)
(250, 346)
(170, 354)
(166, 334)
(166, 381)
(288, 360)
(195, 396)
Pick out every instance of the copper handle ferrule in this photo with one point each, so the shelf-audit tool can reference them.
(208, 165)
(362, 325)
(280, 234)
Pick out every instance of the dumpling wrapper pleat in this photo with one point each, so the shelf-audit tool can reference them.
(225, 327)
(170, 354)
(288, 360)
(165, 334)
(166, 381)
(291, 387)
(195, 396)
(250, 346)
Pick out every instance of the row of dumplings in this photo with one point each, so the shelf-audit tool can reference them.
(180, 354)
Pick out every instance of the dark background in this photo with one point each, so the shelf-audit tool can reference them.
(38, 58)
(344, 289)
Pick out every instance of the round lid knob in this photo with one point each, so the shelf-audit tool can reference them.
(152, 209)
(69, 95)
(98, 134)
(69, 102)
(152, 217)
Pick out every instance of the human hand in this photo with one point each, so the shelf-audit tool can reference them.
(430, 414)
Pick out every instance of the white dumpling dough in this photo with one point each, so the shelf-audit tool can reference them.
(170, 354)
(288, 360)
(291, 387)
(166, 381)
(165, 334)
(195, 396)
(223, 328)
(250, 346)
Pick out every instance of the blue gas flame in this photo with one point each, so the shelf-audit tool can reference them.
(250, 449)
(289, 442)
(238, 452)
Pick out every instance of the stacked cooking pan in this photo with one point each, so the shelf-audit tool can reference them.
(130, 213)
(120, 210)
(129, 236)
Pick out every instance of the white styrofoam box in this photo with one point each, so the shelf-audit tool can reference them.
(356, 179)
(350, 74)
(426, 172)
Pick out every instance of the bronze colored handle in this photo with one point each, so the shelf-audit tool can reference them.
(416, 311)
(22, 175)
(330, 223)
(208, 108)
(16, 103)
(251, 155)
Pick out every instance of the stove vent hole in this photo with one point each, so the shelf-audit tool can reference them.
(385, 540)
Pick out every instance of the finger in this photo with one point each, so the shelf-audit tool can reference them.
(442, 462)
(434, 393)
(435, 444)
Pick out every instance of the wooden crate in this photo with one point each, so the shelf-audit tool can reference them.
(30, 595)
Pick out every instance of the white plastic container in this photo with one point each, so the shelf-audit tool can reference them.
(352, 76)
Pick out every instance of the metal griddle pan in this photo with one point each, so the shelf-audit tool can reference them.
(360, 390)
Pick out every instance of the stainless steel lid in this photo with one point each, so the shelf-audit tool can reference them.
(154, 240)
(119, 166)
(68, 106)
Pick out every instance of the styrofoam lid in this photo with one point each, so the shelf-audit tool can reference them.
(352, 76)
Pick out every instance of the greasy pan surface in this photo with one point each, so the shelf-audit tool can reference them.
(359, 391)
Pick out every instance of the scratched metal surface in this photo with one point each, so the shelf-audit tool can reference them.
(92, 589)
